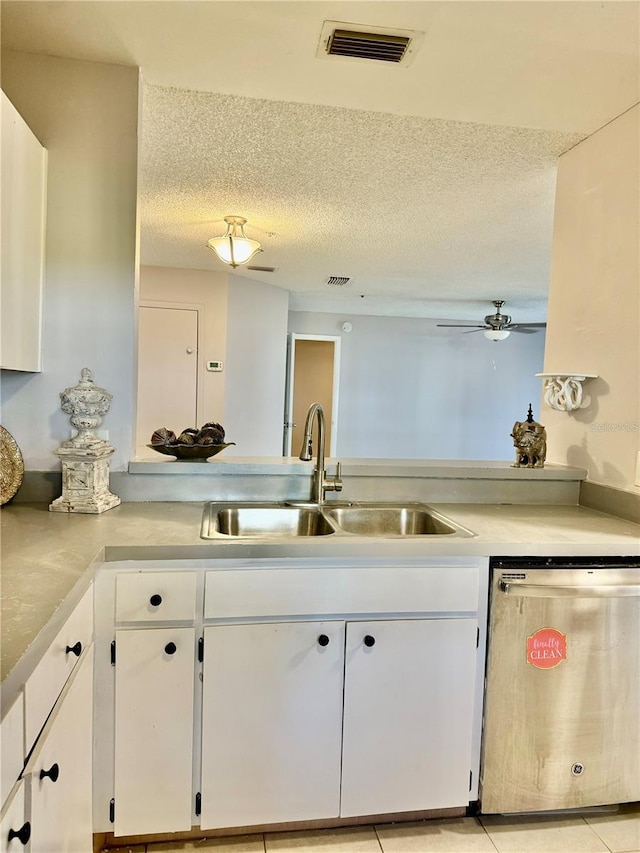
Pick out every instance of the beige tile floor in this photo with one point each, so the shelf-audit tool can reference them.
(612, 833)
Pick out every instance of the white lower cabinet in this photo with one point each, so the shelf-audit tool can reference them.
(58, 773)
(154, 690)
(271, 723)
(285, 739)
(317, 692)
(15, 828)
(408, 715)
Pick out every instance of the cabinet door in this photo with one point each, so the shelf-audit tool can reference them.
(154, 681)
(272, 710)
(408, 711)
(59, 770)
(23, 214)
(15, 829)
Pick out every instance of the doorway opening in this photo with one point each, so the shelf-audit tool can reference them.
(313, 376)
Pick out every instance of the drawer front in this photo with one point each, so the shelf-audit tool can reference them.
(47, 680)
(269, 592)
(156, 596)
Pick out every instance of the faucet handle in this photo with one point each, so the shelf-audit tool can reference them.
(334, 484)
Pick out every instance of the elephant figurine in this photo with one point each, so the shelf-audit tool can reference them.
(530, 442)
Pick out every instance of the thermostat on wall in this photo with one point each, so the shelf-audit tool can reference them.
(215, 366)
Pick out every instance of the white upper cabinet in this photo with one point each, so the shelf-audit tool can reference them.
(24, 185)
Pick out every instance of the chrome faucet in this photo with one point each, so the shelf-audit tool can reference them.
(321, 483)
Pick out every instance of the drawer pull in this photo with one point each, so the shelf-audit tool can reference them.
(323, 640)
(52, 773)
(170, 648)
(155, 600)
(74, 650)
(369, 640)
(23, 834)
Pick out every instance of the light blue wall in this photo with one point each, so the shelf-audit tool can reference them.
(410, 390)
(255, 367)
(86, 116)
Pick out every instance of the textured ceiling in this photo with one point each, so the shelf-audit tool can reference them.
(431, 186)
(413, 209)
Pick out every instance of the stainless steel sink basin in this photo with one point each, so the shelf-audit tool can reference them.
(270, 521)
(389, 521)
(223, 520)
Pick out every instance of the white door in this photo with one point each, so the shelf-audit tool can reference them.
(167, 370)
(313, 376)
(408, 713)
(60, 771)
(271, 723)
(154, 730)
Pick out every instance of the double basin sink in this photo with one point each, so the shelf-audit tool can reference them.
(277, 520)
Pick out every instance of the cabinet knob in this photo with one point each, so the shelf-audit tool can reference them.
(52, 773)
(170, 648)
(155, 600)
(369, 640)
(23, 834)
(74, 650)
(323, 640)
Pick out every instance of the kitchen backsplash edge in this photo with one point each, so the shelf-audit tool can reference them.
(608, 499)
(44, 486)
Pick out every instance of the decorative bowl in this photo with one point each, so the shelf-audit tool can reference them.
(190, 452)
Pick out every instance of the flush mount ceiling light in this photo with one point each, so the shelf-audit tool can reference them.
(497, 334)
(234, 248)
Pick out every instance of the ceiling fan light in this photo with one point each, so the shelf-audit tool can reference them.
(234, 248)
(497, 334)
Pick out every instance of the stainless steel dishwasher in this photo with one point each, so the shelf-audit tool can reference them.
(562, 703)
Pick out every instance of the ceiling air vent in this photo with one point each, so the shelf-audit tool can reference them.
(338, 280)
(262, 269)
(368, 46)
(355, 41)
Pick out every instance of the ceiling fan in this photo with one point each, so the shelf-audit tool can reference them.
(497, 327)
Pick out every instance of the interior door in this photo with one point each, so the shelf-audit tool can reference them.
(167, 370)
(313, 370)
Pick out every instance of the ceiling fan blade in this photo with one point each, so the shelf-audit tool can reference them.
(523, 330)
(526, 326)
(459, 326)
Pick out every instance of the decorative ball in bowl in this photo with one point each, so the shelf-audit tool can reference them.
(192, 445)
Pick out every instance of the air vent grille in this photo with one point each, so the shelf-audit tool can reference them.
(342, 41)
(360, 45)
(338, 280)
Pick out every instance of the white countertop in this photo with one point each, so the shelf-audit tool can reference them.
(47, 555)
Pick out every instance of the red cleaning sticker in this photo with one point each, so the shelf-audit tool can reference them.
(546, 648)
